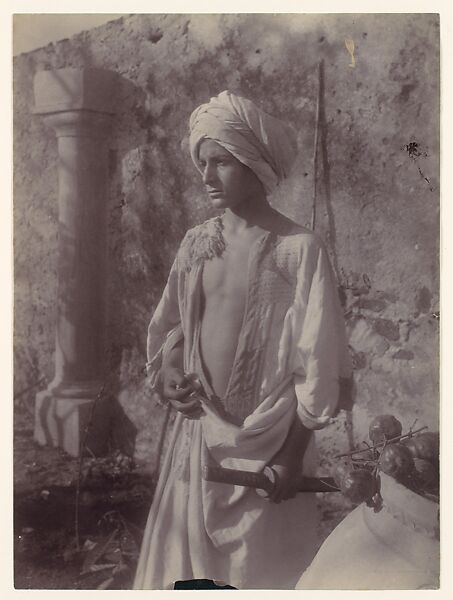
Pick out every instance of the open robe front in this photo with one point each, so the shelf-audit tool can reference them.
(291, 353)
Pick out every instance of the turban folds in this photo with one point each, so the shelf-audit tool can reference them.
(264, 144)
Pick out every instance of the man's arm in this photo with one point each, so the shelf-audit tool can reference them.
(321, 358)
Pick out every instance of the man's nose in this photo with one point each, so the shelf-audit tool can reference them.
(208, 174)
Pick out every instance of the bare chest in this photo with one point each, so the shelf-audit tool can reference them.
(225, 280)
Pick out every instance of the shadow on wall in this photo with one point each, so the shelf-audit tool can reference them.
(147, 219)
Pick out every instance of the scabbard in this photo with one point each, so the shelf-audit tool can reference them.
(262, 482)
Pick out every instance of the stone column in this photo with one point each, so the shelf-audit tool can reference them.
(78, 105)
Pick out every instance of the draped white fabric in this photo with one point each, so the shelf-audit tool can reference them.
(294, 329)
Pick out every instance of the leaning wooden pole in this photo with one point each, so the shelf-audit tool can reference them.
(160, 444)
(316, 143)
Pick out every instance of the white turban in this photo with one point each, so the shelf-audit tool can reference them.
(264, 144)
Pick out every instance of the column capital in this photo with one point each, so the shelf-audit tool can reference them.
(69, 90)
(79, 123)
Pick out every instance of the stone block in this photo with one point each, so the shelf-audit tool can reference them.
(423, 300)
(387, 329)
(60, 422)
(363, 338)
(403, 354)
(61, 90)
(371, 304)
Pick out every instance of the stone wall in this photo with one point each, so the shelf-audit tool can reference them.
(377, 187)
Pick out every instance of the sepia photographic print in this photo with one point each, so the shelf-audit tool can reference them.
(226, 301)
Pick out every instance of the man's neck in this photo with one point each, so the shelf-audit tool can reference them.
(258, 217)
(254, 214)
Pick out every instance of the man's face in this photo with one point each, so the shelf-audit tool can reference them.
(228, 182)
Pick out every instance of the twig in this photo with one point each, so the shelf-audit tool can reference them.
(315, 146)
(79, 476)
(93, 455)
(384, 443)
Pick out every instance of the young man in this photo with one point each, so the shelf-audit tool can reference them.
(250, 312)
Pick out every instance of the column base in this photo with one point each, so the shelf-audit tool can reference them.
(60, 422)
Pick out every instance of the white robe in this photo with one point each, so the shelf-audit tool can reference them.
(291, 354)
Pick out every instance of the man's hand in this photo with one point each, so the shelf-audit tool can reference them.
(286, 480)
(177, 389)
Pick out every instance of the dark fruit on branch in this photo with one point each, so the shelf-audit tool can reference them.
(384, 427)
(396, 461)
(359, 485)
(425, 446)
(342, 468)
(426, 474)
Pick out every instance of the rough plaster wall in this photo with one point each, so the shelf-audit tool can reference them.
(376, 211)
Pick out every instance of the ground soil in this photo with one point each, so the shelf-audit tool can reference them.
(54, 549)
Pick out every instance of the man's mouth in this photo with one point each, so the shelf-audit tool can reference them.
(215, 193)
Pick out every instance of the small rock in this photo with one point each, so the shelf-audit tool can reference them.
(423, 300)
(363, 338)
(403, 355)
(374, 305)
(358, 360)
(387, 329)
